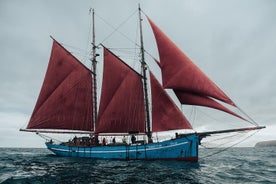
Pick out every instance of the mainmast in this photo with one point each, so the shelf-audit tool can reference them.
(144, 68)
(93, 68)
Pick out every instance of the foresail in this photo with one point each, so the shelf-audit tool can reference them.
(165, 114)
(65, 99)
(180, 73)
(122, 102)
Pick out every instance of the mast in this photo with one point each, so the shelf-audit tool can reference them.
(144, 68)
(93, 68)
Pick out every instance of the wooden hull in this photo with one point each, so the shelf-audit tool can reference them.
(184, 148)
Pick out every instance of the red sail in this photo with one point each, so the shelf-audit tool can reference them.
(65, 99)
(165, 114)
(122, 102)
(191, 99)
(180, 73)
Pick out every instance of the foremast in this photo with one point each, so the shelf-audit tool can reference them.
(144, 74)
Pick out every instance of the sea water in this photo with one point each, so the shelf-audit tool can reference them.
(234, 165)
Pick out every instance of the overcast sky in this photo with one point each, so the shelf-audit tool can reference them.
(233, 42)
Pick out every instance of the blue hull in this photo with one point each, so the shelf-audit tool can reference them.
(184, 148)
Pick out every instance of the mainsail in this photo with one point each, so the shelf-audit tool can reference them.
(65, 99)
(190, 84)
(122, 106)
(122, 102)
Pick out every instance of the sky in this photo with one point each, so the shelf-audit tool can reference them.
(233, 42)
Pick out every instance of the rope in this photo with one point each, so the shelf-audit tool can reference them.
(116, 29)
(47, 138)
(210, 155)
(224, 139)
(251, 120)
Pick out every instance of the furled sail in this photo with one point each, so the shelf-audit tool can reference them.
(165, 114)
(122, 102)
(65, 99)
(180, 73)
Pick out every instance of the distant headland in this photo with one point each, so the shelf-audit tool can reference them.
(266, 143)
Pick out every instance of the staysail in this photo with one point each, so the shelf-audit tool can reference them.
(191, 99)
(165, 114)
(122, 102)
(65, 99)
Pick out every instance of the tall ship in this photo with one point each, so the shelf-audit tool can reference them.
(132, 105)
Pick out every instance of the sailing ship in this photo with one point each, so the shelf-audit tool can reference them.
(68, 103)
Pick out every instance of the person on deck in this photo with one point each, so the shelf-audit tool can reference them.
(124, 140)
(133, 139)
(104, 141)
